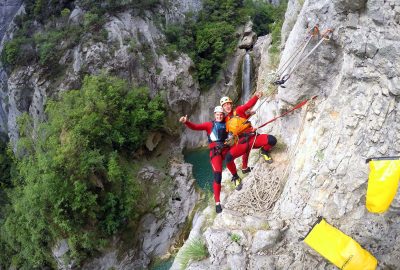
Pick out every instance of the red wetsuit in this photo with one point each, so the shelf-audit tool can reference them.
(242, 148)
(215, 159)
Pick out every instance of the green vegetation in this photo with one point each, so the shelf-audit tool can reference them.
(114, 6)
(44, 33)
(195, 250)
(210, 38)
(47, 45)
(235, 238)
(5, 166)
(72, 178)
(65, 12)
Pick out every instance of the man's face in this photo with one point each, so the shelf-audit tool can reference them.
(227, 107)
(219, 116)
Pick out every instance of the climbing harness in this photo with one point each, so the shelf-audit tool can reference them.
(217, 149)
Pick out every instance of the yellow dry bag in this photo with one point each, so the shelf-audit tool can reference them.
(382, 183)
(338, 248)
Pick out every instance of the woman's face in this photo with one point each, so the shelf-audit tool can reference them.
(219, 117)
(227, 107)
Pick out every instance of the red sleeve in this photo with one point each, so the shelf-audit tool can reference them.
(241, 110)
(207, 126)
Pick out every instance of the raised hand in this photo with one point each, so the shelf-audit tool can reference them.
(259, 94)
(183, 119)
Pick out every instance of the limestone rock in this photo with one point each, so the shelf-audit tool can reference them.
(258, 262)
(153, 140)
(237, 261)
(157, 234)
(248, 41)
(149, 173)
(236, 220)
(355, 78)
(217, 242)
(202, 265)
(60, 253)
(291, 14)
(195, 233)
(156, 231)
(264, 240)
(76, 16)
(249, 37)
(8, 9)
(350, 5)
(394, 86)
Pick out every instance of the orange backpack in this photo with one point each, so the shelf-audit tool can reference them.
(236, 125)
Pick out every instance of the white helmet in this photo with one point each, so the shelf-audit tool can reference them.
(218, 109)
(224, 100)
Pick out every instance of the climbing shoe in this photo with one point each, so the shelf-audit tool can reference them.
(265, 154)
(247, 170)
(237, 182)
(218, 208)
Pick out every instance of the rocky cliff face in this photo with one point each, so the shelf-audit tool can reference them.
(156, 231)
(8, 10)
(321, 171)
(355, 117)
(133, 50)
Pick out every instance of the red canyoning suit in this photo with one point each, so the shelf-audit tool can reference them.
(246, 139)
(217, 154)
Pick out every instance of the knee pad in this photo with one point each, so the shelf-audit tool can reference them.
(271, 140)
(218, 177)
(228, 157)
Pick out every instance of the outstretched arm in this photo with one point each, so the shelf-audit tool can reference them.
(241, 110)
(207, 126)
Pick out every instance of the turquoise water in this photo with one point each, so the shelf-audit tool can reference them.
(166, 265)
(202, 171)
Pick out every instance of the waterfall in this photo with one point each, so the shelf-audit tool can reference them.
(3, 96)
(246, 78)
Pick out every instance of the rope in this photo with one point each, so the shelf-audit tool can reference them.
(298, 106)
(325, 36)
(296, 53)
(310, 34)
(264, 191)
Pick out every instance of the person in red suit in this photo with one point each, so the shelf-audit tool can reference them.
(216, 133)
(247, 137)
